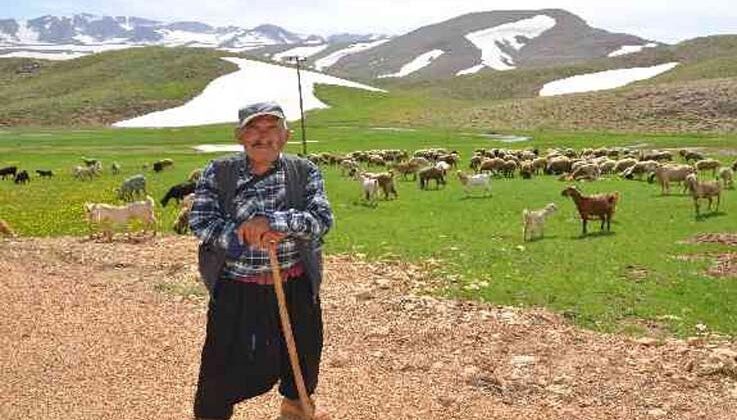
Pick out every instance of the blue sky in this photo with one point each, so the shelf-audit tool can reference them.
(661, 20)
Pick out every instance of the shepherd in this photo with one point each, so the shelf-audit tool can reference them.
(243, 205)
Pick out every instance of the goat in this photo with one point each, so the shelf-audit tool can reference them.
(90, 162)
(83, 172)
(534, 220)
(386, 182)
(160, 165)
(109, 215)
(178, 192)
(181, 225)
(22, 177)
(44, 173)
(689, 155)
(131, 187)
(703, 189)
(370, 187)
(115, 168)
(5, 228)
(431, 172)
(600, 206)
(406, 168)
(475, 181)
(9, 170)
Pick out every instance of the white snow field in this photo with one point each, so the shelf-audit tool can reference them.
(254, 81)
(418, 63)
(56, 56)
(333, 57)
(489, 41)
(629, 49)
(603, 80)
(304, 51)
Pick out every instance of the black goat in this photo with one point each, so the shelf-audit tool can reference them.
(9, 170)
(22, 177)
(178, 192)
(44, 173)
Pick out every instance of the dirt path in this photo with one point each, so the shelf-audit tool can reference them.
(92, 331)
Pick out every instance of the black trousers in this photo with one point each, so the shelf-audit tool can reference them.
(245, 355)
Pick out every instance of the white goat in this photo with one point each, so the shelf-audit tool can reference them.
(109, 215)
(370, 186)
(534, 220)
(475, 181)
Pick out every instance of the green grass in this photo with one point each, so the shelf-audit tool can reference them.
(107, 87)
(590, 279)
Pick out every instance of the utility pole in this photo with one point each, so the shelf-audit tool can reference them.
(297, 60)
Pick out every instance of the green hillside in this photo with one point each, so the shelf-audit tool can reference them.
(102, 88)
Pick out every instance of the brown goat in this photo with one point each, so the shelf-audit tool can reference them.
(600, 206)
(5, 228)
(431, 172)
(386, 182)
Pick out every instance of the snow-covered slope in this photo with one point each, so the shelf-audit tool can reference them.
(254, 81)
(418, 63)
(332, 58)
(495, 40)
(603, 80)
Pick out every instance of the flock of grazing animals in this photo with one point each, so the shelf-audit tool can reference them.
(132, 191)
(589, 164)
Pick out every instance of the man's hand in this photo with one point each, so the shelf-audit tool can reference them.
(257, 233)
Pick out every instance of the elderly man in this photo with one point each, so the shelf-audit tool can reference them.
(242, 204)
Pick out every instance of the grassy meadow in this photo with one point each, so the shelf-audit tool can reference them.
(633, 280)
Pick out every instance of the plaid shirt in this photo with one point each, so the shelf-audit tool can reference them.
(264, 197)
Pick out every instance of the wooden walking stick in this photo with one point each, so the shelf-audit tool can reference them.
(287, 330)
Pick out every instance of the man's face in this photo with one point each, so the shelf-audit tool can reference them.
(263, 138)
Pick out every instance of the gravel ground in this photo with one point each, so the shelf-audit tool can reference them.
(113, 331)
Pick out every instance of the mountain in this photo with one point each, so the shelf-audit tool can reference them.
(488, 41)
(86, 29)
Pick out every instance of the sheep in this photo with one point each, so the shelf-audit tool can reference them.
(600, 206)
(90, 162)
(82, 172)
(451, 159)
(476, 162)
(44, 173)
(526, 170)
(420, 161)
(607, 166)
(443, 166)
(108, 215)
(639, 169)
(494, 165)
(406, 168)
(534, 220)
(656, 155)
(509, 167)
(431, 172)
(589, 171)
(348, 166)
(689, 155)
(131, 187)
(5, 228)
(178, 192)
(624, 164)
(665, 174)
(703, 189)
(558, 165)
(162, 164)
(475, 181)
(539, 165)
(96, 168)
(9, 171)
(181, 224)
(726, 174)
(708, 164)
(115, 168)
(386, 182)
(22, 177)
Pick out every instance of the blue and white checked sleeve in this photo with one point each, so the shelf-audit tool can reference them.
(316, 220)
(207, 219)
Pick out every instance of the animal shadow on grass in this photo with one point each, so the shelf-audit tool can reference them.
(706, 216)
(541, 238)
(595, 233)
(367, 204)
